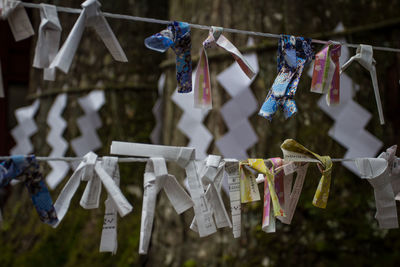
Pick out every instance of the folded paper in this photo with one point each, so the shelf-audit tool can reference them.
(394, 169)
(48, 41)
(176, 36)
(91, 170)
(202, 85)
(248, 185)
(93, 17)
(376, 171)
(326, 73)
(364, 56)
(293, 54)
(232, 169)
(156, 178)
(18, 19)
(211, 171)
(184, 157)
(293, 151)
(26, 169)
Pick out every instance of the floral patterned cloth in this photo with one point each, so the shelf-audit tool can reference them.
(176, 36)
(293, 54)
(27, 169)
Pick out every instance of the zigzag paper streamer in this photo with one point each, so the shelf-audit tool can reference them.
(235, 112)
(89, 123)
(25, 129)
(157, 110)
(350, 119)
(191, 123)
(56, 141)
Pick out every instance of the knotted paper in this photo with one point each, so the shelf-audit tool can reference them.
(18, 19)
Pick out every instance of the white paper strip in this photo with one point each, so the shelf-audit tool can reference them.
(56, 141)
(93, 17)
(235, 112)
(157, 110)
(18, 19)
(25, 129)
(48, 40)
(232, 169)
(89, 123)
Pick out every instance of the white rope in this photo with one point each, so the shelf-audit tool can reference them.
(201, 27)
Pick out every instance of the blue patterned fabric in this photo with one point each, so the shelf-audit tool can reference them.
(27, 169)
(176, 36)
(293, 54)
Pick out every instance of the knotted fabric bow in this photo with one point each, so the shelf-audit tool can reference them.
(376, 170)
(364, 56)
(232, 169)
(326, 73)
(156, 177)
(211, 171)
(293, 54)
(92, 171)
(48, 41)
(293, 151)
(18, 19)
(185, 158)
(93, 17)
(27, 170)
(270, 187)
(202, 85)
(394, 169)
(176, 36)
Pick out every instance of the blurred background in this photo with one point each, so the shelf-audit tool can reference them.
(344, 233)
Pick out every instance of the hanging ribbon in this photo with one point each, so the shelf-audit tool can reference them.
(394, 169)
(92, 171)
(364, 56)
(93, 17)
(326, 73)
(376, 170)
(294, 151)
(176, 36)
(211, 171)
(202, 85)
(27, 169)
(293, 54)
(232, 169)
(185, 158)
(18, 19)
(156, 177)
(48, 41)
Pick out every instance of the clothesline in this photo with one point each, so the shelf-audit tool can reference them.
(199, 26)
(137, 159)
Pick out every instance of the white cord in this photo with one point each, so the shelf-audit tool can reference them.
(202, 27)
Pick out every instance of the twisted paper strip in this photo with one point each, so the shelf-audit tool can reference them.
(56, 141)
(93, 17)
(326, 74)
(176, 36)
(18, 19)
(293, 54)
(394, 169)
(156, 178)
(364, 56)
(92, 171)
(89, 123)
(25, 129)
(377, 171)
(202, 85)
(294, 151)
(27, 169)
(48, 41)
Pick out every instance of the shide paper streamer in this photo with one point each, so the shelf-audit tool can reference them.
(235, 112)
(18, 19)
(56, 141)
(25, 129)
(93, 17)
